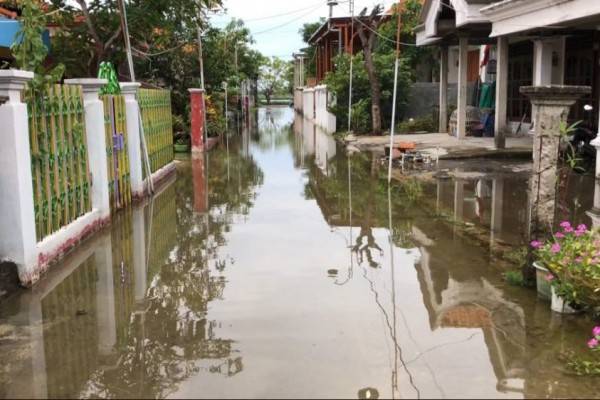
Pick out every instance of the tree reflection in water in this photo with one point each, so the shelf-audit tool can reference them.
(166, 337)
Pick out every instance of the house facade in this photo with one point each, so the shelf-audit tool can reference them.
(521, 43)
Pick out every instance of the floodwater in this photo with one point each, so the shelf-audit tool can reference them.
(278, 267)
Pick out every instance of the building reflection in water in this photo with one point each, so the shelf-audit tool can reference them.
(456, 234)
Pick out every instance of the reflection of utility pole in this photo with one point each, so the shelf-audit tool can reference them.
(394, 333)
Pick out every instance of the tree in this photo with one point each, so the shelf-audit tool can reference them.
(367, 31)
(338, 83)
(307, 31)
(91, 29)
(273, 78)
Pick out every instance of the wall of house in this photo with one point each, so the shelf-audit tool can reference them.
(424, 98)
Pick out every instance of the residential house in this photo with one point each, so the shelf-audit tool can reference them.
(522, 43)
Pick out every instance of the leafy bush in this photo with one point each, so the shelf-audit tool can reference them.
(419, 124)
(573, 258)
(339, 84)
(515, 278)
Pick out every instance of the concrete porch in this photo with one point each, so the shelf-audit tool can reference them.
(445, 146)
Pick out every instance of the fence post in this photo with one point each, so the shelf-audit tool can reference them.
(96, 142)
(17, 230)
(132, 110)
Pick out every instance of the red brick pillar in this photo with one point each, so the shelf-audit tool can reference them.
(197, 119)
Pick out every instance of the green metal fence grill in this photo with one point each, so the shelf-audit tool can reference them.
(59, 157)
(115, 126)
(155, 106)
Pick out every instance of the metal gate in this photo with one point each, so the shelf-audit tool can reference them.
(115, 124)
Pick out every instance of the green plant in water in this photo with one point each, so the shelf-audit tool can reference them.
(515, 278)
(29, 49)
(413, 189)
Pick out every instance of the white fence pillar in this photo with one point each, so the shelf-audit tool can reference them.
(132, 109)
(96, 142)
(17, 230)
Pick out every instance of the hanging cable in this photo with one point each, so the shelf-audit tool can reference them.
(287, 23)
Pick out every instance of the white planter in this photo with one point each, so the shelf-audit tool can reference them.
(559, 305)
(544, 288)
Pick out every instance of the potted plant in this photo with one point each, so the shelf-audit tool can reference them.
(572, 258)
(181, 140)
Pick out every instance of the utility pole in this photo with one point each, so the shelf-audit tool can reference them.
(201, 59)
(351, 64)
(331, 4)
(395, 97)
(127, 40)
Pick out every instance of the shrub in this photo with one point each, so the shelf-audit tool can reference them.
(339, 84)
(573, 258)
(419, 124)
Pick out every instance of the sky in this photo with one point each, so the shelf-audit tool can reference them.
(275, 23)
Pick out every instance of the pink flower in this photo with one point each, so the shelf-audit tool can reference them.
(549, 278)
(579, 233)
(536, 244)
(596, 331)
(559, 235)
(565, 224)
(569, 230)
(555, 248)
(593, 343)
(582, 227)
(579, 260)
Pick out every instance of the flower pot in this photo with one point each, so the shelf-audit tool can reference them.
(544, 288)
(181, 148)
(560, 306)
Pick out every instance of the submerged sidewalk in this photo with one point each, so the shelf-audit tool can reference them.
(446, 146)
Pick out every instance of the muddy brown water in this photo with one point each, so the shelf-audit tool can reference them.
(269, 269)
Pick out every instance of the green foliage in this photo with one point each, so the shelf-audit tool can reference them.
(273, 79)
(412, 189)
(29, 49)
(515, 278)
(307, 31)
(569, 156)
(419, 124)
(339, 84)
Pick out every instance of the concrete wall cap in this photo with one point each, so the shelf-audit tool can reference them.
(194, 90)
(555, 91)
(88, 84)
(14, 79)
(129, 87)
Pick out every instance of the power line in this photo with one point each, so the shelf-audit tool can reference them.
(286, 23)
(284, 14)
(382, 36)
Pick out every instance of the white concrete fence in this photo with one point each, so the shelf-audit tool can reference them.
(18, 241)
(313, 104)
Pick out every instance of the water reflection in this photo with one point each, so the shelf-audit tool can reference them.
(127, 314)
(455, 233)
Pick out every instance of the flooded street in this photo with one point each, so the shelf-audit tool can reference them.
(280, 268)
